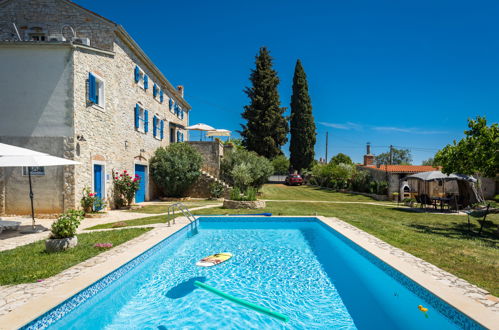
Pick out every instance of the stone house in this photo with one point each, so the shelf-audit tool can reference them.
(394, 175)
(76, 85)
(390, 173)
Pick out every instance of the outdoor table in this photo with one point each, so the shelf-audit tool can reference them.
(442, 201)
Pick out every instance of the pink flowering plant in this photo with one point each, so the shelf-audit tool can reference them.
(103, 245)
(91, 202)
(125, 187)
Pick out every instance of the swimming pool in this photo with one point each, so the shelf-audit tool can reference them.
(298, 267)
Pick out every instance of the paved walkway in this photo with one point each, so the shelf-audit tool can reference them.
(13, 239)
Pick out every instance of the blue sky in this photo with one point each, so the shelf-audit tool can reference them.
(406, 73)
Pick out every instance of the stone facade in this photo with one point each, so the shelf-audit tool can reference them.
(52, 17)
(212, 153)
(104, 135)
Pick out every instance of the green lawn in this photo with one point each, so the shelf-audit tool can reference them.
(30, 262)
(163, 208)
(134, 222)
(282, 192)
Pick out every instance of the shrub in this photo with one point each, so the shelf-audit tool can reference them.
(90, 202)
(125, 187)
(217, 190)
(65, 226)
(175, 168)
(249, 195)
(361, 180)
(280, 165)
(496, 198)
(242, 169)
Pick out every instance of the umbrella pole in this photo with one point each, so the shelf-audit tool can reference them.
(31, 197)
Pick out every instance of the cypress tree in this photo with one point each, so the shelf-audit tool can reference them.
(303, 134)
(266, 128)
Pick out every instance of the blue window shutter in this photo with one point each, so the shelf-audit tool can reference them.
(161, 96)
(137, 117)
(146, 81)
(178, 136)
(170, 104)
(92, 88)
(182, 137)
(182, 114)
(146, 121)
(154, 90)
(137, 74)
(154, 126)
(162, 129)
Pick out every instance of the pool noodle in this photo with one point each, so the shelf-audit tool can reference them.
(241, 302)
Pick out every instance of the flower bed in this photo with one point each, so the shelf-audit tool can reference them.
(230, 204)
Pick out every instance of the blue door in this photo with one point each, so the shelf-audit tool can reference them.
(140, 195)
(98, 179)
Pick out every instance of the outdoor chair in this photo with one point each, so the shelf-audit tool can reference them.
(426, 200)
(479, 213)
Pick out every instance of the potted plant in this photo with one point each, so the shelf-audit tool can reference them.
(63, 234)
(409, 202)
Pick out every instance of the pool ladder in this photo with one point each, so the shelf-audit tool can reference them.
(182, 208)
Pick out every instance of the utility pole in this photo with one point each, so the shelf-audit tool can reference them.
(326, 144)
(391, 154)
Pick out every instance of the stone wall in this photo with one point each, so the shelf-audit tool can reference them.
(50, 16)
(110, 135)
(212, 153)
(201, 189)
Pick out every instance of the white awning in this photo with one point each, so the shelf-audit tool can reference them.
(219, 132)
(200, 127)
(9, 150)
(34, 160)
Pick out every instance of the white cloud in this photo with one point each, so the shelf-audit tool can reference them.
(346, 126)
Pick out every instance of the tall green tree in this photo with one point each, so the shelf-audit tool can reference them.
(398, 157)
(477, 153)
(341, 158)
(302, 123)
(266, 128)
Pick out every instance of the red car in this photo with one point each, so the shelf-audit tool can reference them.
(293, 179)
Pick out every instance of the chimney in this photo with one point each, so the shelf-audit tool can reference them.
(368, 157)
(180, 89)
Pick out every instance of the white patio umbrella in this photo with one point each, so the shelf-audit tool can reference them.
(33, 159)
(8, 150)
(200, 127)
(218, 132)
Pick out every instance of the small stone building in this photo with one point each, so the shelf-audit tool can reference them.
(390, 173)
(76, 85)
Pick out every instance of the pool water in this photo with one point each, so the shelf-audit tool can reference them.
(298, 267)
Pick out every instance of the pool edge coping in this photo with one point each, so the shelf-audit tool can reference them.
(38, 306)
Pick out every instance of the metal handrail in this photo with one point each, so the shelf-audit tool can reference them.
(182, 208)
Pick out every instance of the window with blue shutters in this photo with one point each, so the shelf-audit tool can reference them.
(140, 77)
(154, 90)
(170, 104)
(141, 119)
(146, 82)
(162, 130)
(137, 74)
(154, 126)
(161, 96)
(178, 136)
(96, 89)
